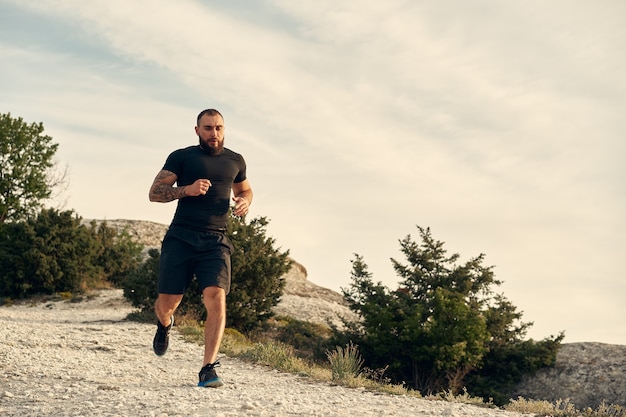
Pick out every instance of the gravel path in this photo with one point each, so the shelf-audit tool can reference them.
(84, 359)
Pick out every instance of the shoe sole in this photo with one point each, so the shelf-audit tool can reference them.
(215, 383)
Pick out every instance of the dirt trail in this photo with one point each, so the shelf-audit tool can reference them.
(85, 359)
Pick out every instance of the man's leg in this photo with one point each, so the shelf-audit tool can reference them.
(214, 299)
(165, 306)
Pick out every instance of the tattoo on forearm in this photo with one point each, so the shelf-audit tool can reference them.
(164, 192)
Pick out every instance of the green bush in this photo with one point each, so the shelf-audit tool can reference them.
(55, 252)
(504, 366)
(257, 268)
(444, 327)
(139, 284)
(51, 253)
(117, 253)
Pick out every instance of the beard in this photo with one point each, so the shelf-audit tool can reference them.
(211, 150)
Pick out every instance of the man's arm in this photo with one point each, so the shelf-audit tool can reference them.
(243, 197)
(163, 190)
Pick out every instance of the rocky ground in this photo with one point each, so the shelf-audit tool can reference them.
(81, 359)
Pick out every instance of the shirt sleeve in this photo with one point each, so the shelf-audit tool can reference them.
(241, 176)
(173, 163)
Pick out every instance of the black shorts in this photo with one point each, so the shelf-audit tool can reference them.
(187, 253)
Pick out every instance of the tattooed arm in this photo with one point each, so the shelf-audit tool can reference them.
(163, 190)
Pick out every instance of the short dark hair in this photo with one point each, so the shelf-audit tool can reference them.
(209, 112)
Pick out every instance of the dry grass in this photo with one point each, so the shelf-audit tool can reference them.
(563, 408)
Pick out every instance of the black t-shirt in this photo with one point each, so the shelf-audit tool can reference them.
(210, 211)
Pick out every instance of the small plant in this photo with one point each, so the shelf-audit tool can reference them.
(461, 398)
(611, 410)
(345, 363)
(277, 355)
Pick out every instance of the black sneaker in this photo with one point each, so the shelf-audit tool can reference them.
(162, 338)
(208, 377)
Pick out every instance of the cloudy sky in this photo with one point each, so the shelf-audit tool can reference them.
(499, 125)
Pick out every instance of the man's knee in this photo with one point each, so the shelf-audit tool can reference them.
(168, 301)
(213, 295)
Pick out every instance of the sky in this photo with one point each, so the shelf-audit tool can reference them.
(498, 125)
